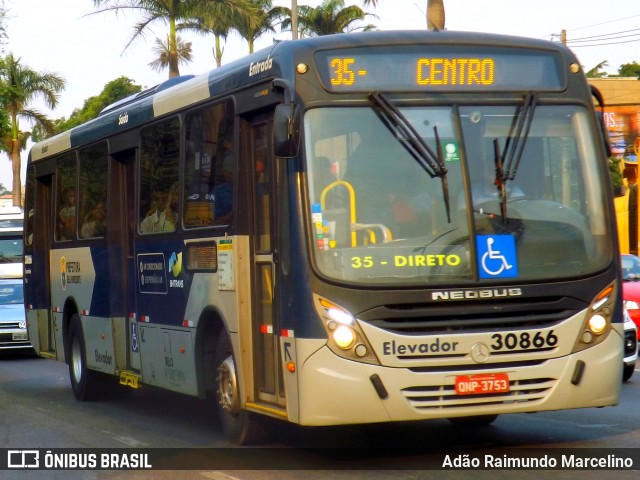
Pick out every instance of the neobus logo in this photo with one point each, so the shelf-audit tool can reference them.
(478, 294)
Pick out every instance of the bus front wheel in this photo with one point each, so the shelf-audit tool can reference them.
(238, 425)
(84, 383)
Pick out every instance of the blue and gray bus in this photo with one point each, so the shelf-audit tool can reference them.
(357, 228)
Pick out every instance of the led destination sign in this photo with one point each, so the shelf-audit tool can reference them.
(439, 68)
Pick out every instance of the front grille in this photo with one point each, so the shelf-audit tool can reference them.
(9, 326)
(444, 397)
(470, 317)
(471, 367)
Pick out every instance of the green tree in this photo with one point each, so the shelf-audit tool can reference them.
(113, 91)
(629, 70)
(331, 16)
(153, 11)
(220, 18)
(170, 12)
(21, 86)
(166, 55)
(597, 71)
(262, 21)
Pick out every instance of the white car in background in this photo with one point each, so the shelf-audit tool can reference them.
(630, 347)
(13, 324)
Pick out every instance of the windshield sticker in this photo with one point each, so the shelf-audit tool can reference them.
(324, 231)
(451, 151)
(497, 256)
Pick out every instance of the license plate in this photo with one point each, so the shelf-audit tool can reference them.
(20, 336)
(479, 384)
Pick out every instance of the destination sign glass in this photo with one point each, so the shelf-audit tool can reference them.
(440, 68)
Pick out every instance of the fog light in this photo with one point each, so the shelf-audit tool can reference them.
(587, 337)
(344, 337)
(597, 324)
(361, 350)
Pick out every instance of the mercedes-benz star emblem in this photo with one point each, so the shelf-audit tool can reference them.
(480, 353)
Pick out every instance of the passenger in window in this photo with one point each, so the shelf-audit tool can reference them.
(222, 193)
(94, 225)
(67, 216)
(163, 216)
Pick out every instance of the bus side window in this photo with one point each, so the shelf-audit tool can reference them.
(159, 197)
(210, 166)
(93, 191)
(66, 203)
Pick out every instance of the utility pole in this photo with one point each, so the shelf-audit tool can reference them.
(563, 36)
(294, 19)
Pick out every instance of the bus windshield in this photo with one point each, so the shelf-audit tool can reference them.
(378, 216)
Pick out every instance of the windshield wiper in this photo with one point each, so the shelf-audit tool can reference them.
(507, 164)
(432, 162)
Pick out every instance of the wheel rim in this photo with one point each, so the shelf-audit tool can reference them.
(228, 395)
(76, 360)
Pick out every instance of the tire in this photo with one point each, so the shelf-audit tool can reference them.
(476, 421)
(627, 372)
(239, 426)
(84, 382)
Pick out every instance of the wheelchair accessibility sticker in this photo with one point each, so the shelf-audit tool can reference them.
(497, 256)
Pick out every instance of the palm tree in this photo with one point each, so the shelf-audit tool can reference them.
(166, 55)
(217, 18)
(329, 17)
(166, 11)
(262, 21)
(153, 11)
(22, 86)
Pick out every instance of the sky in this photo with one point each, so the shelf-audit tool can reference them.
(88, 49)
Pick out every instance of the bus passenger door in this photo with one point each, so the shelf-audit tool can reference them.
(37, 281)
(120, 233)
(266, 326)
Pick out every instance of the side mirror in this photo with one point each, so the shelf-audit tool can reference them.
(286, 130)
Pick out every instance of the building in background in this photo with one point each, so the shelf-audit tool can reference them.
(622, 119)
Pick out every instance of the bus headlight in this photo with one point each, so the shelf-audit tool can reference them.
(597, 323)
(345, 338)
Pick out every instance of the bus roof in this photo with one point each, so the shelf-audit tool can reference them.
(276, 61)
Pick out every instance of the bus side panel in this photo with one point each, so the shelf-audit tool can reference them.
(150, 354)
(98, 337)
(58, 335)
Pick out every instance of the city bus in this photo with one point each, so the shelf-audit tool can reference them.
(11, 225)
(347, 229)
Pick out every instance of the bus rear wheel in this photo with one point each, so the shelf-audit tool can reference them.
(238, 425)
(84, 383)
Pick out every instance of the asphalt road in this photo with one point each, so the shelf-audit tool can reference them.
(40, 412)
